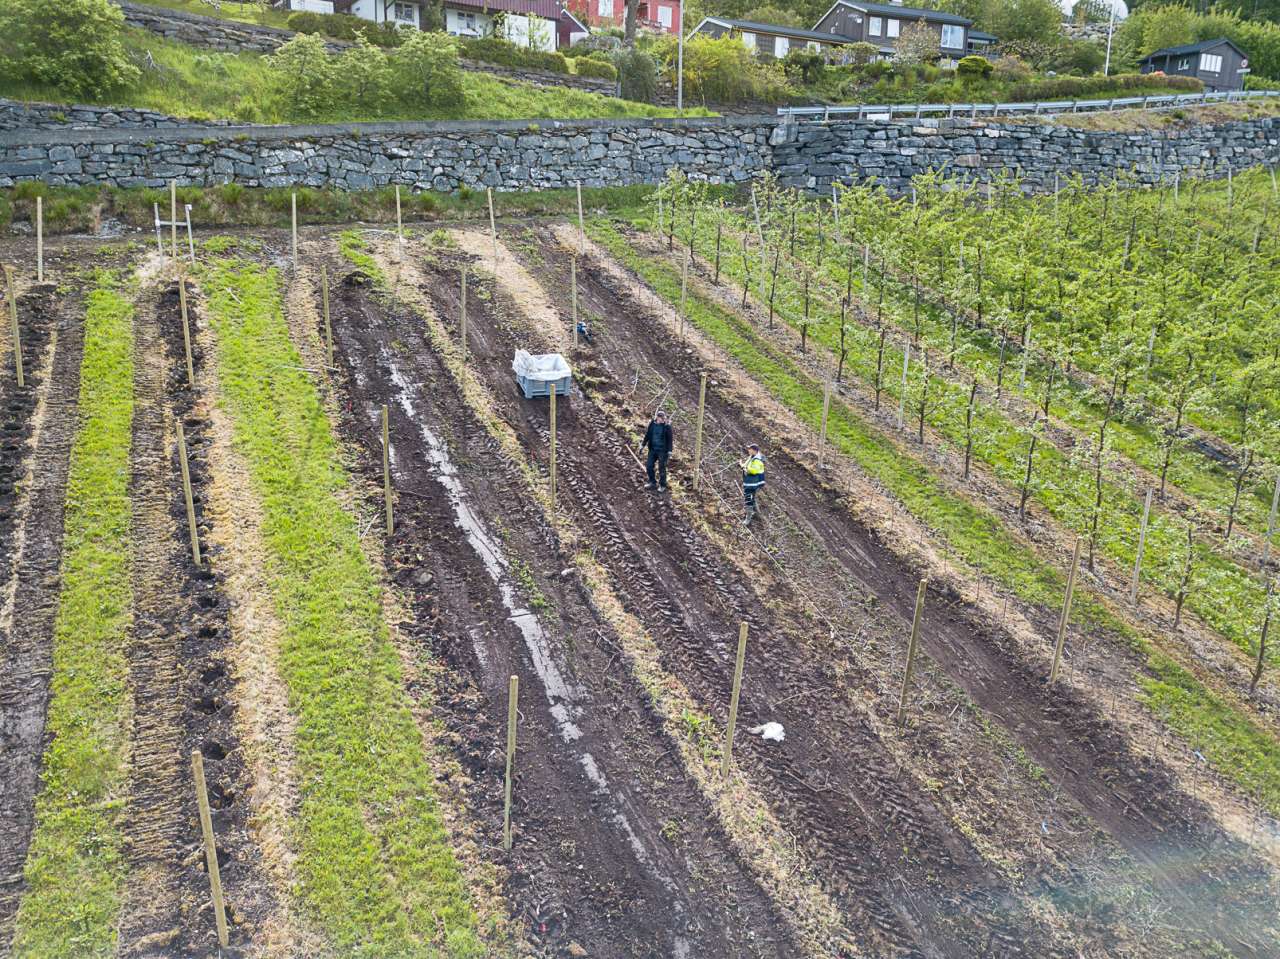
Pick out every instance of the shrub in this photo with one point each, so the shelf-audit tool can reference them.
(343, 26)
(426, 68)
(974, 68)
(365, 74)
(302, 75)
(860, 53)
(74, 45)
(917, 43)
(722, 70)
(1078, 57)
(1011, 69)
(507, 54)
(804, 66)
(590, 67)
(638, 74)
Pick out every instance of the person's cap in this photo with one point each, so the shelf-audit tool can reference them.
(753, 446)
(660, 415)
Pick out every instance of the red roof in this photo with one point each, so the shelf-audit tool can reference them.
(550, 9)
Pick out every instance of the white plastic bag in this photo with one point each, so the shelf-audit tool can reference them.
(543, 367)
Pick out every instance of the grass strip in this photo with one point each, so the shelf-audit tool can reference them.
(374, 865)
(75, 866)
(1242, 751)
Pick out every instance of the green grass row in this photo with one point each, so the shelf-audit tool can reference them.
(375, 869)
(203, 84)
(1238, 748)
(75, 865)
(1224, 593)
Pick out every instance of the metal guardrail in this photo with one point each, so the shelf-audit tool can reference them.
(866, 111)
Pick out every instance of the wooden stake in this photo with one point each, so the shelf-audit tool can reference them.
(13, 319)
(1271, 524)
(399, 220)
(902, 398)
(192, 528)
(462, 332)
(582, 228)
(911, 649)
(727, 758)
(513, 696)
(39, 239)
(328, 327)
(493, 232)
(210, 848)
(553, 445)
(386, 469)
(573, 282)
(697, 439)
(1066, 613)
(173, 216)
(1142, 543)
(186, 328)
(822, 436)
(684, 291)
(293, 244)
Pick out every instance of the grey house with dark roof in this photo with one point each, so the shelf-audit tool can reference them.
(1219, 64)
(766, 39)
(882, 23)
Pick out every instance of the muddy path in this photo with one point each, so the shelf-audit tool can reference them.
(1209, 879)
(614, 849)
(182, 696)
(894, 864)
(37, 426)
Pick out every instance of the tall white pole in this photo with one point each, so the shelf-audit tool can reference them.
(680, 64)
(1111, 25)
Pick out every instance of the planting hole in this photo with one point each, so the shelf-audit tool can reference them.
(213, 749)
(213, 674)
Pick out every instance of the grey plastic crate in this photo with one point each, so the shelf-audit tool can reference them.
(534, 388)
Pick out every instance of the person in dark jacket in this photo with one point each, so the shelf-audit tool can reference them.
(660, 440)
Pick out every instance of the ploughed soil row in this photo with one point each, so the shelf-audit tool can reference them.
(1211, 881)
(37, 426)
(183, 694)
(614, 848)
(901, 873)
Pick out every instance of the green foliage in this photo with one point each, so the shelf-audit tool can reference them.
(974, 68)
(1011, 69)
(803, 66)
(638, 74)
(1057, 88)
(303, 75)
(1039, 20)
(861, 53)
(591, 67)
(1077, 57)
(364, 72)
(917, 43)
(75, 865)
(1150, 28)
(722, 70)
(779, 16)
(426, 68)
(344, 26)
(73, 46)
(508, 54)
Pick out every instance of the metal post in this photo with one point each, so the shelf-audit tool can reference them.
(1142, 543)
(680, 64)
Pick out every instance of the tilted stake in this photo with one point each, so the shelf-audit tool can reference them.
(293, 212)
(822, 436)
(462, 332)
(328, 327)
(1271, 524)
(727, 759)
(173, 216)
(210, 848)
(582, 229)
(553, 445)
(573, 283)
(493, 232)
(186, 328)
(399, 221)
(13, 319)
(1066, 613)
(912, 644)
(684, 290)
(513, 692)
(902, 398)
(697, 439)
(192, 528)
(1142, 543)
(386, 469)
(39, 239)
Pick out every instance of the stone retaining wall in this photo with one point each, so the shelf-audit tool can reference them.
(520, 156)
(55, 116)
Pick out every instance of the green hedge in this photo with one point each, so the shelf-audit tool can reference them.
(586, 67)
(1099, 87)
(507, 54)
(342, 26)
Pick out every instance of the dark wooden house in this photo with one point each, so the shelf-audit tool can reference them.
(769, 41)
(882, 23)
(1219, 64)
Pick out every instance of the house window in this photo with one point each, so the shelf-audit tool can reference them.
(406, 13)
(664, 17)
(1184, 63)
(781, 45)
(812, 45)
(874, 26)
(749, 40)
(952, 37)
(1211, 62)
(605, 8)
(891, 27)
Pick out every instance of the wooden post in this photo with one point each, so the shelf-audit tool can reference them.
(328, 327)
(13, 319)
(192, 528)
(293, 243)
(1142, 543)
(210, 848)
(155, 209)
(1271, 524)
(173, 217)
(386, 469)
(573, 282)
(493, 232)
(186, 328)
(582, 227)
(553, 445)
(513, 696)
(462, 332)
(727, 758)
(39, 239)
(822, 435)
(399, 220)
(912, 644)
(697, 439)
(902, 398)
(1066, 613)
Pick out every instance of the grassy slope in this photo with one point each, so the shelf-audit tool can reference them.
(75, 865)
(375, 867)
(205, 84)
(1241, 751)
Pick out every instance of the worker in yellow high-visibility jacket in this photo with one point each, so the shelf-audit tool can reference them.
(752, 479)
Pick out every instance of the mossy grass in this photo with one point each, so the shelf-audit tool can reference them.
(374, 867)
(1240, 749)
(75, 866)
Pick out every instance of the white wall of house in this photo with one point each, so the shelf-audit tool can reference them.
(407, 13)
(467, 23)
(312, 6)
(517, 29)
